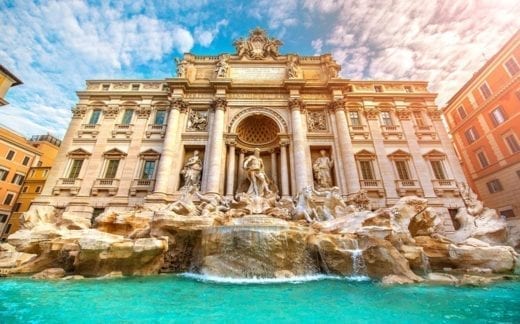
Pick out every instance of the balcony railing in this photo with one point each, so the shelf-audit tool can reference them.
(159, 129)
(409, 186)
(425, 130)
(443, 183)
(359, 130)
(440, 186)
(67, 184)
(370, 183)
(111, 185)
(89, 129)
(391, 130)
(122, 129)
(145, 185)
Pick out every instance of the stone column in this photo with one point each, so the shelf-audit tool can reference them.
(345, 145)
(168, 153)
(240, 177)
(274, 167)
(230, 178)
(284, 171)
(301, 164)
(217, 142)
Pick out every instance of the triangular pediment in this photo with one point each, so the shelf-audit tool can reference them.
(149, 153)
(434, 154)
(79, 153)
(115, 152)
(365, 154)
(399, 154)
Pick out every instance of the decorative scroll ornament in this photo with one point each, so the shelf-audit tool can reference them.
(316, 121)
(179, 104)
(337, 104)
(296, 104)
(403, 114)
(258, 46)
(372, 113)
(220, 103)
(144, 111)
(111, 111)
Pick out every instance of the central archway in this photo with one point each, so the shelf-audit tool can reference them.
(257, 131)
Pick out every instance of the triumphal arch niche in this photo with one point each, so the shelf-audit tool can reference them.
(253, 121)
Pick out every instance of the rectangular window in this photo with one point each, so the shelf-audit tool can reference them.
(105, 87)
(498, 116)
(378, 88)
(160, 117)
(419, 121)
(462, 112)
(408, 89)
(24, 189)
(148, 170)
(367, 171)
(26, 160)
(135, 87)
(10, 155)
(482, 159)
(512, 67)
(75, 169)
(18, 179)
(38, 189)
(438, 170)
(3, 218)
(8, 199)
(494, 186)
(94, 118)
(486, 92)
(386, 119)
(17, 207)
(3, 174)
(402, 170)
(111, 171)
(165, 87)
(471, 135)
(44, 175)
(354, 118)
(127, 117)
(512, 143)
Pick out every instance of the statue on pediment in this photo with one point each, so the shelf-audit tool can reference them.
(222, 67)
(181, 67)
(257, 46)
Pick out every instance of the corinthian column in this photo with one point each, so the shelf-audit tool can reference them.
(230, 178)
(299, 144)
(284, 171)
(168, 153)
(217, 142)
(345, 144)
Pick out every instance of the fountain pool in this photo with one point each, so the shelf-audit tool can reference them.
(181, 298)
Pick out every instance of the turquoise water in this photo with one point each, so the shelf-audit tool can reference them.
(185, 299)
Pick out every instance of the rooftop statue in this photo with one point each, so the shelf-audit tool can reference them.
(257, 46)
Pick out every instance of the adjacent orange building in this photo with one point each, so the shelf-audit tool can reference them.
(7, 80)
(484, 120)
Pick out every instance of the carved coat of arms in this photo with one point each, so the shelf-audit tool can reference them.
(258, 46)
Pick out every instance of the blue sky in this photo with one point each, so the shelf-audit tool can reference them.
(54, 46)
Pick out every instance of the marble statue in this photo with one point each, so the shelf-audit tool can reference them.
(292, 70)
(316, 122)
(192, 171)
(322, 170)
(333, 205)
(222, 67)
(197, 121)
(305, 206)
(184, 206)
(240, 46)
(257, 46)
(181, 67)
(211, 204)
(254, 170)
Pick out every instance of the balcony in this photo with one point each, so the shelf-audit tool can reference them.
(441, 186)
(425, 132)
(408, 187)
(156, 131)
(88, 131)
(122, 130)
(373, 186)
(391, 132)
(142, 185)
(71, 185)
(108, 185)
(359, 132)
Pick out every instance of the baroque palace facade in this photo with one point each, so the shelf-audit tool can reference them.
(131, 141)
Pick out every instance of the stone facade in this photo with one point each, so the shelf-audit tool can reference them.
(129, 140)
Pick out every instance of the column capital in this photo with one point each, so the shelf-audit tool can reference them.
(372, 113)
(338, 104)
(179, 104)
(79, 111)
(434, 114)
(231, 141)
(219, 104)
(111, 111)
(284, 142)
(144, 111)
(403, 114)
(296, 103)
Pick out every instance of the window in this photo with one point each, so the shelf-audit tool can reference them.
(148, 170)
(44, 173)
(498, 116)
(24, 189)
(3, 174)
(386, 119)
(105, 87)
(165, 87)
(26, 160)
(378, 88)
(419, 121)
(160, 117)
(484, 89)
(111, 170)
(367, 171)
(127, 117)
(8, 228)
(39, 163)
(354, 118)
(17, 207)
(75, 168)
(3, 218)
(438, 170)
(94, 118)
(482, 159)
(402, 170)
(8, 199)
(508, 213)
(462, 112)
(494, 186)
(10, 155)
(408, 89)
(512, 67)
(135, 87)
(512, 143)
(18, 179)
(471, 135)
(38, 189)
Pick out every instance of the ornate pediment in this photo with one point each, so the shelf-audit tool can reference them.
(257, 46)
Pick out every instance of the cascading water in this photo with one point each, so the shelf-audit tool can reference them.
(358, 263)
(425, 264)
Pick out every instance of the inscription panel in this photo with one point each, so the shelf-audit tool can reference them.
(258, 73)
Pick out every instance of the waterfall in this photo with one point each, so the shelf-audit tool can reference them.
(425, 263)
(323, 261)
(358, 263)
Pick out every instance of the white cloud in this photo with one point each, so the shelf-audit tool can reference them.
(317, 44)
(205, 37)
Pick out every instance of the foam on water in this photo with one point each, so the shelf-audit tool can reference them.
(246, 281)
